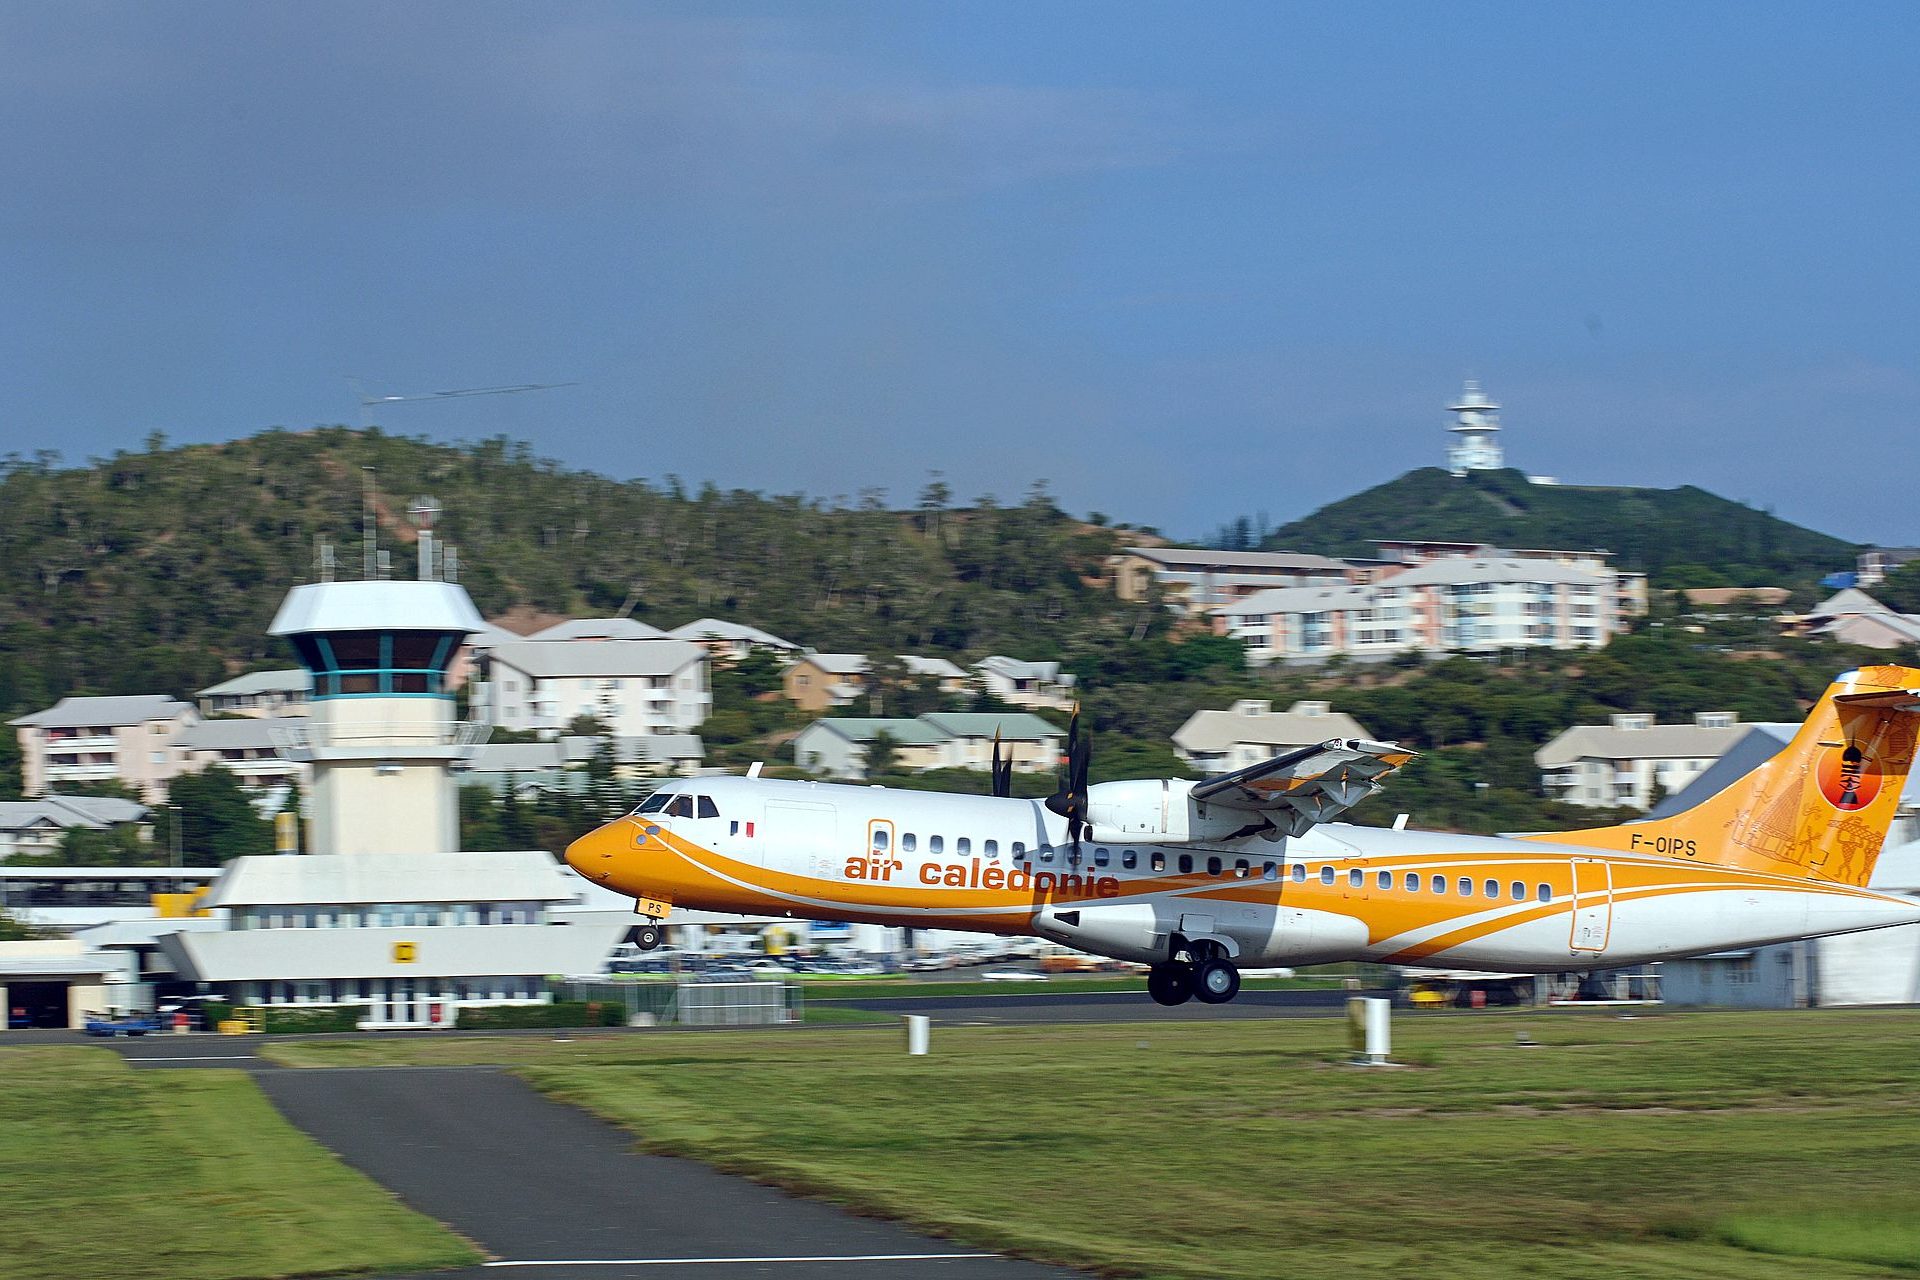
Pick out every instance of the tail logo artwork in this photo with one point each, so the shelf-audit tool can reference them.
(1848, 778)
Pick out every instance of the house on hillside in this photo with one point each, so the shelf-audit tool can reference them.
(947, 677)
(1251, 731)
(36, 827)
(259, 693)
(1851, 616)
(1025, 684)
(599, 629)
(1875, 563)
(820, 681)
(249, 749)
(728, 642)
(124, 739)
(838, 746)
(633, 687)
(1619, 764)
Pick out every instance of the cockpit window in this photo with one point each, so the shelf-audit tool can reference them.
(654, 803)
(682, 807)
(707, 807)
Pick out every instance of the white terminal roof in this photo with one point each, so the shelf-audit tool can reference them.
(603, 658)
(376, 606)
(341, 878)
(599, 629)
(105, 713)
(290, 680)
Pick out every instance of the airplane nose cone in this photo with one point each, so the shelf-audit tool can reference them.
(592, 854)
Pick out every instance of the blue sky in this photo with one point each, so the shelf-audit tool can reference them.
(1184, 262)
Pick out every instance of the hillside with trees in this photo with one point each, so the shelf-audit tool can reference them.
(1684, 537)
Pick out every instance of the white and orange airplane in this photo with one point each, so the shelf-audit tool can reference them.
(1199, 879)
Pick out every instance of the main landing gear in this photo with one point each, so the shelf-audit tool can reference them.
(1196, 972)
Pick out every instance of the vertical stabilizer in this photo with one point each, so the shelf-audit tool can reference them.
(1819, 809)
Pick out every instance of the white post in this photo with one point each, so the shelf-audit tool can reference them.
(1368, 1029)
(918, 1032)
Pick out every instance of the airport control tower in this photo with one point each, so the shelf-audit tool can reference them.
(1476, 427)
(382, 736)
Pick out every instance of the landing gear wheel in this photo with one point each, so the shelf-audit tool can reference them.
(647, 936)
(1170, 984)
(1215, 982)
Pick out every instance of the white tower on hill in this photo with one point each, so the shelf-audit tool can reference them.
(1476, 427)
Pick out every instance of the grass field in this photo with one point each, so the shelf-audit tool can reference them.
(1768, 1146)
(109, 1172)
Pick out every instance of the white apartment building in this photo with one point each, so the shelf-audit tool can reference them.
(1477, 605)
(1195, 579)
(1619, 763)
(1251, 731)
(249, 749)
(1025, 684)
(731, 641)
(259, 693)
(633, 687)
(128, 739)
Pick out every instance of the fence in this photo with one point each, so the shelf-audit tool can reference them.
(698, 1002)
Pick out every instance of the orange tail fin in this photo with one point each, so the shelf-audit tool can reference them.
(1819, 809)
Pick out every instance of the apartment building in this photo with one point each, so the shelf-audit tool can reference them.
(248, 748)
(1629, 588)
(728, 642)
(1251, 731)
(837, 747)
(633, 687)
(259, 693)
(1025, 684)
(125, 739)
(1193, 580)
(1483, 604)
(1620, 763)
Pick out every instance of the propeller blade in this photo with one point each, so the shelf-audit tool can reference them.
(1002, 775)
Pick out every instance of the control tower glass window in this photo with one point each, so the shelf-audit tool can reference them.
(377, 663)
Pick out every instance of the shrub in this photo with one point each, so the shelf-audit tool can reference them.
(213, 1013)
(285, 1020)
(560, 1013)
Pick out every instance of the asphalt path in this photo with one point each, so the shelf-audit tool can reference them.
(552, 1192)
(1025, 1006)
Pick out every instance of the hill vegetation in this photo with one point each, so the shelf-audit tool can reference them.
(1683, 537)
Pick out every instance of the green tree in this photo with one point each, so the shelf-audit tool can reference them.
(211, 819)
(1900, 591)
(882, 754)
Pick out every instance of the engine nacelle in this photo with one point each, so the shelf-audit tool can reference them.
(1164, 809)
(1123, 930)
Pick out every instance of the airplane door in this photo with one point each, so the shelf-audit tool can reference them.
(1592, 905)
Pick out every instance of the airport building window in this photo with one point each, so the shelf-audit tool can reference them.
(1413, 882)
(707, 807)
(1159, 861)
(1355, 877)
(1466, 886)
(1186, 864)
(909, 842)
(1213, 866)
(880, 839)
(1545, 893)
(1386, 880)
(1439, 884)
(1519, 891)
(936, 844)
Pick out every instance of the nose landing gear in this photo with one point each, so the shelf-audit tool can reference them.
(647, 936)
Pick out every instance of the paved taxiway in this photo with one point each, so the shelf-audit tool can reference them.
(551, 1192)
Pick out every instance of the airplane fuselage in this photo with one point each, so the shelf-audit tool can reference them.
(827, 851)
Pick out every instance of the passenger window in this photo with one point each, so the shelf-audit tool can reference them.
(654, 803)
(682, 807)
(707, 807)
(1159, 861)
(1129, 859)
(1493, 889)
(1546, 893)
(1413, 882)
(880, 840)
(1439, 884)
(993, 848)
(1269, 871)
(909, 842)
(1241, 868)
(1186, 864)
(1519, 891)
(963, 846)
(1046, 853)
(1101, 857)
(1355, 877)
(1326, 875)
(936, 844)
(1466, 886)
(1213, 866)
(1299, 873)
(1019, 849)
(1386, 880)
